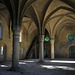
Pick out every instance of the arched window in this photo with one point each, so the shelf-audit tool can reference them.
(0, 31)
(70, 37)
(1, 50)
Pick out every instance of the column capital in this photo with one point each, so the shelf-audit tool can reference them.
(41, 37)
(41, 34)
(16, 32)
(52, 40)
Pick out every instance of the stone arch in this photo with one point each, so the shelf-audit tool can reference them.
(3, 20)
(62, 27)
(28, 26)
(29, 32)
(32, 49)
(48, 28)
(61, 24)
(57, 9)
(72, 11)
(62, 42)
(6, 16)
(32, 15)
(61, 19)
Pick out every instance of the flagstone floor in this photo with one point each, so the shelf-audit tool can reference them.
(49, 67)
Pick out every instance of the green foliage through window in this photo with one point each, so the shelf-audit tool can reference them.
(46, 39)
(70, 37)
(72, 51)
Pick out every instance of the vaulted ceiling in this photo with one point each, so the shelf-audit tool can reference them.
(42, 12)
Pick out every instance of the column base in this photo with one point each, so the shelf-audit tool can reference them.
(52, 58)
(41, 61)
(16, 69)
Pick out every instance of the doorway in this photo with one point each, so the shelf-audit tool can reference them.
(72, 52)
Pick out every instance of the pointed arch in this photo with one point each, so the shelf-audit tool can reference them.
(57, 9)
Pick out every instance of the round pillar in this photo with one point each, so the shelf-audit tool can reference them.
(52, 48)
(15, 53)
(41, 48)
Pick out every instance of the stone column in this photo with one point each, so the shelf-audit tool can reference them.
(41, 48)
(52, 48)
(15, 54)
(35, 51)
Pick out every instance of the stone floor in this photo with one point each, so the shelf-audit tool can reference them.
(49, 67)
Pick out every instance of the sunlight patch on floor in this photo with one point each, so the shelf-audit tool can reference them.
(22, 63)
(29, 61)
(57, 67)
(3, 66)
(60, 61)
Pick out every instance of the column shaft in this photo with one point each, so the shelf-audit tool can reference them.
(15, 54)
(52, 48)
(41, 47)
(35, 51)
